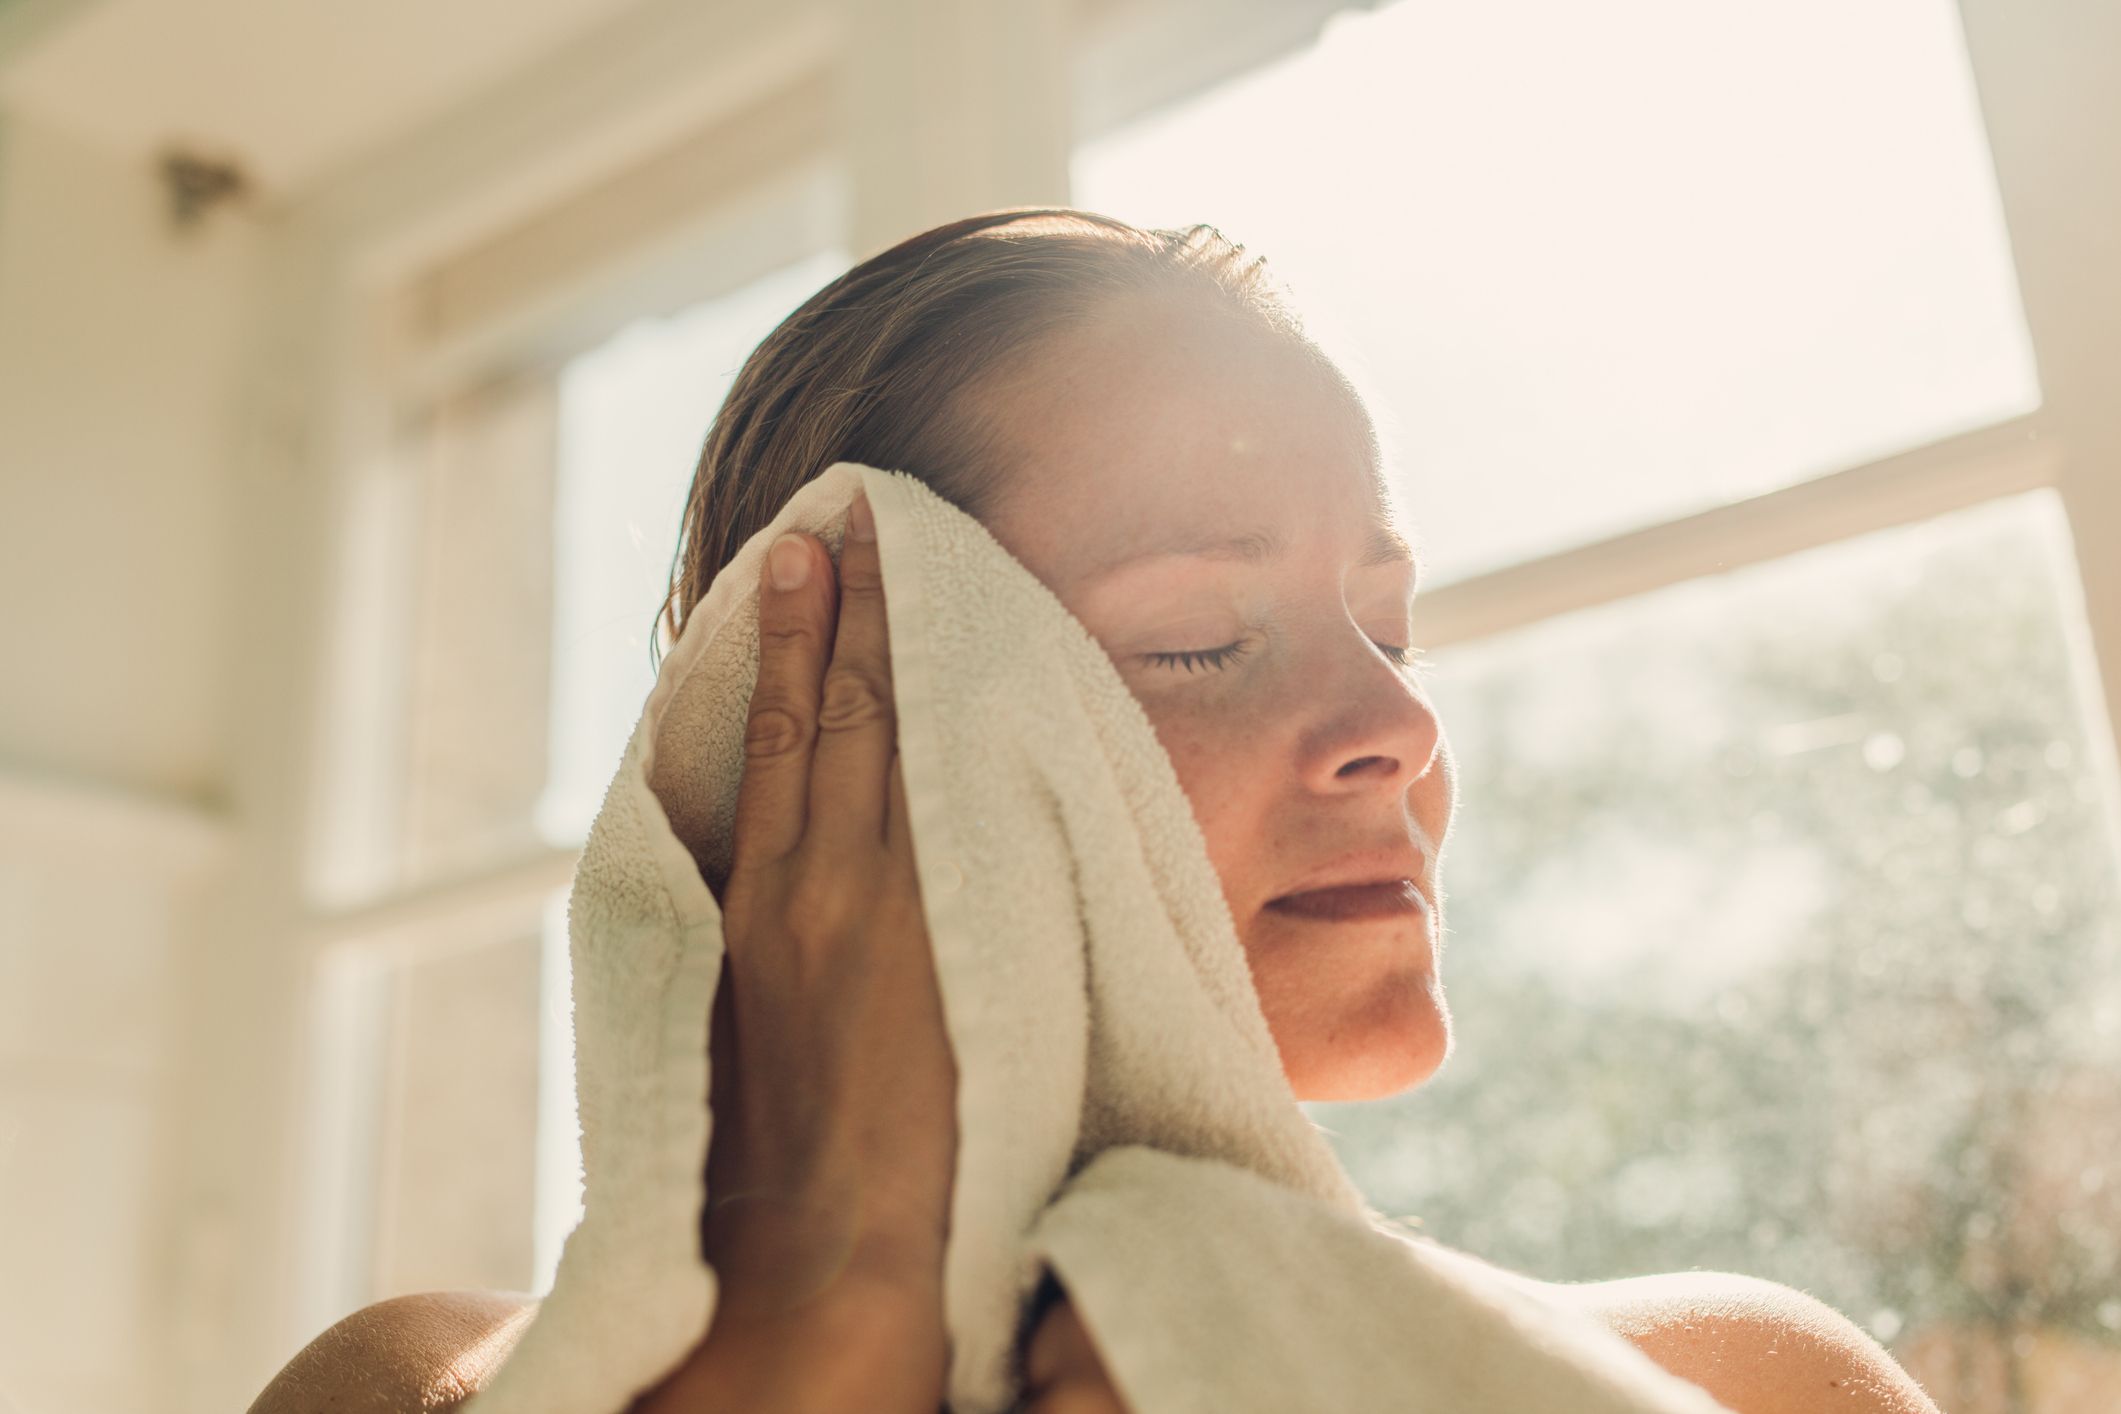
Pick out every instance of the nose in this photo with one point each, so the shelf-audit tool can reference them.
(1376, 730)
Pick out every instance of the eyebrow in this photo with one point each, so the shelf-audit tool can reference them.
(1385, 546)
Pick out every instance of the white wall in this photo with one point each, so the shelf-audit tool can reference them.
(119, 343)
(119, 339)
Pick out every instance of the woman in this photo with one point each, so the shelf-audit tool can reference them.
(1140, 419)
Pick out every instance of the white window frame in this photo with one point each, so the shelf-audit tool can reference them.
(489, 194)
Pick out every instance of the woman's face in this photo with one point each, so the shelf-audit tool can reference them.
(1308, 753)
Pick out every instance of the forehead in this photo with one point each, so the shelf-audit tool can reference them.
(1159, 420)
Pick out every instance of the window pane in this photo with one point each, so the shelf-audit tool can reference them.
(1782, 938)
(474, 710)
(633, 416)
(461, 1116)
(1606, 264)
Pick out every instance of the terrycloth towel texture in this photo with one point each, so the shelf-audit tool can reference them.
(1122, 1112)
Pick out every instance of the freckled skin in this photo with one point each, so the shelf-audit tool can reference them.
(1311, 744)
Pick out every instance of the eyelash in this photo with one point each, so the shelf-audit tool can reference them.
(1222, 657)
(1213, 657)
(1405, 657)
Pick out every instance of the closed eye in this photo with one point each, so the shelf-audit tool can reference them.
(1218, 658)
(1189, 658)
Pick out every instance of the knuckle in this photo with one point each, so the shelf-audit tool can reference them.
(853, 697)
(754, 887)
(862, 578)
(817, 909)
(790, 639)
(779, 635)
(774, 730)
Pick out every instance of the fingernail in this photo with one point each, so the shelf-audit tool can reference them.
(788, 562)
(861, 521)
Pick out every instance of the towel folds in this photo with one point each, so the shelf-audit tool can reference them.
(1122, 1113)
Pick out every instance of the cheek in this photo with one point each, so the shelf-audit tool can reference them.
(1227, 784)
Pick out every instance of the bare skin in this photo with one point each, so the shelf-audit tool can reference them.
(831, 1164)
(1306, 746)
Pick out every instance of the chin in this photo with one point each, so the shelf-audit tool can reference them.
(1392, 1045)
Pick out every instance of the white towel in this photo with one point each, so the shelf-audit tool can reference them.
(1122, 1112)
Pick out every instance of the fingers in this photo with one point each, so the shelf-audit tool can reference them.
(857, 725)
(796, 617)
(822, 730)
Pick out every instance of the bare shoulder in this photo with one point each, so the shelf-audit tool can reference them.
(426, 1353)
(1757, 1346)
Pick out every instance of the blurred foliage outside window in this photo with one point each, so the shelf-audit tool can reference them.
(1782, 939)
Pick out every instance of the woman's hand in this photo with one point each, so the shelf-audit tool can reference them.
(1063, 1373)
(834, 1086)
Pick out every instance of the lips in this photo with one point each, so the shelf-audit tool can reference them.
(1384, 898)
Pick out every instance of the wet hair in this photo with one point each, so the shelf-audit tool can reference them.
(884, 365)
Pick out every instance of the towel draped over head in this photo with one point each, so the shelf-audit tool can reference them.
(1123, 1117)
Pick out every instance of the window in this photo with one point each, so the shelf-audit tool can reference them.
(633, 414)
(459, 1167)
(1608, 264)
(541, 509)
